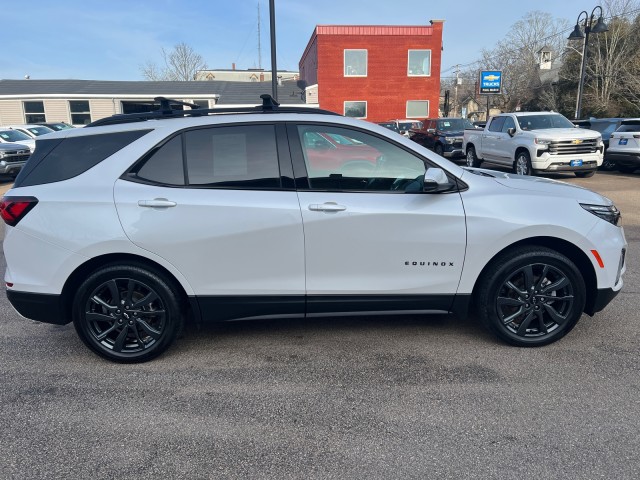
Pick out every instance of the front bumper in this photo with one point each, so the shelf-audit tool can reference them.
(10, 167)
(603, 298)
(41, 307)
(454, 153)
(546, 162)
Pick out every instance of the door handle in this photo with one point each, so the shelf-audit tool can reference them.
(327, 207)
(157, 203)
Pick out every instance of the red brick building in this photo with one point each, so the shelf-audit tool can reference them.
(375, 72)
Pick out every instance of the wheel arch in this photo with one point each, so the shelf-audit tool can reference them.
(84, 270)
(470, 145)
(521, 149)
(569, 250)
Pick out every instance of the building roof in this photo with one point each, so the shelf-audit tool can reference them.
(228, 92)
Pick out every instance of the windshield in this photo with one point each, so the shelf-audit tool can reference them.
(538, 122)
(37, 131)
(406, 126)
(13, 136)
(454, 124)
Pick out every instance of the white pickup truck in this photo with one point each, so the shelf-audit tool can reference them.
(535, 142)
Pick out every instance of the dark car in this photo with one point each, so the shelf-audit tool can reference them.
(56, 126)
(390, 125)
(442, 135)
(606, 126)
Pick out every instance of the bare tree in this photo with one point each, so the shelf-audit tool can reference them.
(180, 64)
(517, 57)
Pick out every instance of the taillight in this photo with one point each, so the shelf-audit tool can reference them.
(13, 209)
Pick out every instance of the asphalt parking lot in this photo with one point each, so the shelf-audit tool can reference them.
(405, 397)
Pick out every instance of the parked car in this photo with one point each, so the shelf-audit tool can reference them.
(56, 126)
(32, 130)
(390, 125)
(15, 136)
(220, 214)
(535, 142)
(605, 126)
(13, 156)
(442, 135)
(624, 146)
(406, 126)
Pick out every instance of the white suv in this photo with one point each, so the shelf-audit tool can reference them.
(136, 222)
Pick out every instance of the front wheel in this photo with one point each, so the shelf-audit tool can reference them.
(438, 150)
(531, 296)
(522, 164)
(127, 313)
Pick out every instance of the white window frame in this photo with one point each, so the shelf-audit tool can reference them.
(71, 114)
(406, 111)
(24, 110)
(366, 107)
(409, 62)
(366, 61)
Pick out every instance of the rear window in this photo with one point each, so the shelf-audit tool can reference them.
(629, 127)
(60, 159)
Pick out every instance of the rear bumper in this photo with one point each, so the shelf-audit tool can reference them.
(624, 159)
(42, 307)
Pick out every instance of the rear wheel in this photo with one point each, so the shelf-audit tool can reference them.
(585, 174)
(127, 313)
(531, 296)
(472, 158)
(626, 169)
(522, 163)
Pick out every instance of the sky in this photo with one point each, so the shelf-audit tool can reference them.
(112, 39)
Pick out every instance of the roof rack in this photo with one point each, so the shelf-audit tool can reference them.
(269, 105)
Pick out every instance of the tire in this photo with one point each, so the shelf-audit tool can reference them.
(472, 158)
(145, 328)
(438, 150)
(626, 169)
(522, 164)
(585, 174)
(507, 307)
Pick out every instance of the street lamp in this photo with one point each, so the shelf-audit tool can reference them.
(578, 34)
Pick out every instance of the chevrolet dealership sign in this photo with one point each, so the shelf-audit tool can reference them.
(490, 82)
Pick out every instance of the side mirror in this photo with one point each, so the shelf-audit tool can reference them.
(436, 181)
(511, 131)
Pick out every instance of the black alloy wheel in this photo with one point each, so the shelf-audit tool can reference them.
(438, 150)
(608, 165)
(127, 313)
(531, 297)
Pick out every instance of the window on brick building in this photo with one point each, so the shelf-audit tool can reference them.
(417, 108)
(419, 64)
(355, 63)
(355, 109)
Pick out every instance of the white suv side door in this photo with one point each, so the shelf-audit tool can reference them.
(224, 215)
(372, 236)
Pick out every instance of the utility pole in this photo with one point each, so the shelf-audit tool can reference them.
(259, 41)
(455, 95)
(274, 68)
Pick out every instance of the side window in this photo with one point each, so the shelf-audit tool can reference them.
(364, 163)
(355, 63)
(496, 124)
(508, 123)
(164, 165)
(243, 156)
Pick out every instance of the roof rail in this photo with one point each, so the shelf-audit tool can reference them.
(269, 105)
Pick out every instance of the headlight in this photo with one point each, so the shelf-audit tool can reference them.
(2, 154)
(541, 141)
(606, 212)
(450, 140)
